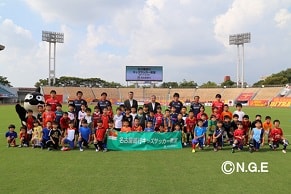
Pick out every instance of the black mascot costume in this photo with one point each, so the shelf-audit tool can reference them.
(31, 101)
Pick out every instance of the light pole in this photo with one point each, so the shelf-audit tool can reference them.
(240, 39)
(117, 87)
(169, 93)
(2, 47)
(52, 37)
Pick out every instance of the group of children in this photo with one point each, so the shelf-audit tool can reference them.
(52, 128)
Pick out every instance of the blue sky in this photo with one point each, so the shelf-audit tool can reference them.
(189, 38)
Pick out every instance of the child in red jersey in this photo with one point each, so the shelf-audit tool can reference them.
(99, 136)
(105, 118)
(216, 113)
(23, 137)
(218, 104)
(53, 101)
(159, 118)
(190, 125)
(110, 112)
(48, 115)
(239, 136)
(276, 137)
(29, 124)
(246, 126)
(64, 122)
(202, 111)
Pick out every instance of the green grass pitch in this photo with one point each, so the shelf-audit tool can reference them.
(27, 170)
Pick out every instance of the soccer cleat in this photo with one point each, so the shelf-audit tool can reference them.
(81, 150)
(215, 149)
(284, 151)
(20, 146)
(185, 144)
(232, 150)
(63, 149)
(193, 151)
(105, 150)
(271, 146)
(97, 150)
(49, 149)
(25, 145)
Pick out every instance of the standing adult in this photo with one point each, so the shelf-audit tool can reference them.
(218, 104)
(103, 102)
(195, 106)
(53, 101)
(153, 105)
(78, 101)
(130, 102)
(176, 102)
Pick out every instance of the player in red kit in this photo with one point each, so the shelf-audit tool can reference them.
(190, 125)
(99, 136)
(218, 103)
(276, 137)
(246, 126)
(159, 118)
(239, 136)
(48, 115)
(53, 101)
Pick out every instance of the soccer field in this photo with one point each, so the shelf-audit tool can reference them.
(27, 170)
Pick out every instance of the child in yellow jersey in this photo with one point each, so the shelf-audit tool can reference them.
(36, 135)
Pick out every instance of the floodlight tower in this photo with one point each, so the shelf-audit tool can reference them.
(52, 37)
(240, 39)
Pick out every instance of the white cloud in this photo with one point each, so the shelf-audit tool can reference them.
(283, 18)
(21, 58)
(188, 37)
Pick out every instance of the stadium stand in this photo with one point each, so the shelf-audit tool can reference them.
(7, 94)
(231, 93)
(164, 95)
(59, 90)
(112, 93)
(267, 93)
(207, 94)
(285, 92)
(88, 94)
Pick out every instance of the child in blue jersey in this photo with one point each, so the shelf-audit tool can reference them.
(84, 135)
(11, 136)
(174, 117)
(149, 127)
(199, 135)
(217, 136)
(256, 136)
(45, 135)
(59, 113)
(204, 119)
(167, 120)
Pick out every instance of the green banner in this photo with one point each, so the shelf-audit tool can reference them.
(144, 141)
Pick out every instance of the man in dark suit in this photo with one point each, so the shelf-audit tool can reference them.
(153, 105)
(130, 102)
